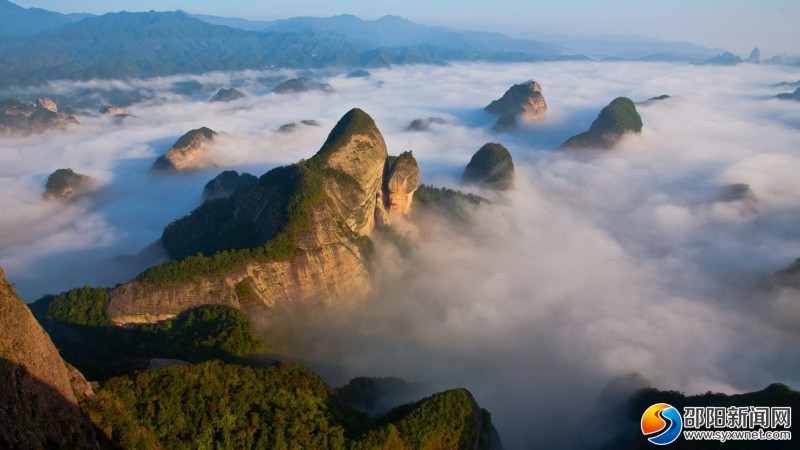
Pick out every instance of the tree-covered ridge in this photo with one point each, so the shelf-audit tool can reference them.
(149, 44)
(492, 166)
(450, 202)
(213, 241)
(79, 306)
(87, 340)
(209, 229)
(226, 183)
(217, 405)
(614, 121)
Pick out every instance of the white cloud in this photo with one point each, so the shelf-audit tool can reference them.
(598, 264)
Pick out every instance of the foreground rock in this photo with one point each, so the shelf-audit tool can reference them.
(226, 183)
(38, 407)
(523, 102)
(297, 237)
(491, 166)
(187, 153)
(614, 121)
(21, 118)
(227, 95)
(301, 84)
(64, 184)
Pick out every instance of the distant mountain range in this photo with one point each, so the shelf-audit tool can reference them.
(627, 47)
(120, 45)
(18, 21)
(38, 45)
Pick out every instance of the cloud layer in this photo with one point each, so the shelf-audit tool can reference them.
(598, 264)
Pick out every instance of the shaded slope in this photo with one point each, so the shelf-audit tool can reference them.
(38, 407)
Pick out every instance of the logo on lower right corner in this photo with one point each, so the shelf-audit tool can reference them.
(662, 423)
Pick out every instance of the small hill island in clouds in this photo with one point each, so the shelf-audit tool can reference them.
(330, 226)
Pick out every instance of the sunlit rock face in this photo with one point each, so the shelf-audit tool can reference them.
(21, 118)
(522, 102)
(47, 103)
(400, 183)
(187, 153)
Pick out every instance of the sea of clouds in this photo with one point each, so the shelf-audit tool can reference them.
(597, 264)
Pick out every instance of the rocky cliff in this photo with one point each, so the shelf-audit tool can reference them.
(520, 102)
(297, 237)
(20, 118)
(614, 121)
(187, 153)
(400, 182)
(39, 408)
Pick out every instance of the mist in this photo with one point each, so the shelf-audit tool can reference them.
(596, 265)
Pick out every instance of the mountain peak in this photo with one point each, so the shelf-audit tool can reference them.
(391, 18)
(354, 122)
(615, 120)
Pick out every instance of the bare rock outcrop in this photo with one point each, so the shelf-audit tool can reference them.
(520, 102)
(400, 182)
(187, 153)
(39, 408)
(47, 103)
(356, 149)
(112, 111)
(21, 118)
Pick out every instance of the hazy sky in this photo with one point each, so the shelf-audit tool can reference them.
(738, 25)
